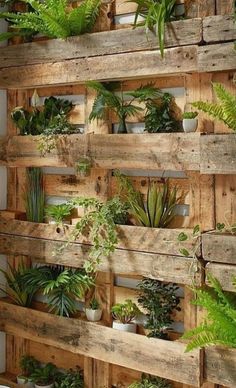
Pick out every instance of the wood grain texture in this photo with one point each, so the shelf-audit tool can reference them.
(224, 7)
(9, 379)
(199, 8)
(218, 154)
(224, 273)
(220, 367)
(158, 357)
(219, 247)
(216, 57)
(219, 28)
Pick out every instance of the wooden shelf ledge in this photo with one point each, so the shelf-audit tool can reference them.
(140, 251)
(9, 380)
(154, 356)
(220, 366)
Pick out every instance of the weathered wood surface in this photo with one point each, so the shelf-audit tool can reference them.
(216, 57)
(218, 153)
(3, 142)
(157, 357)
(175, 151)
(179, 33)
(225, 273)
(220, 366)
(8, 380)
(219, 28)
(224, 7)
(219, 247)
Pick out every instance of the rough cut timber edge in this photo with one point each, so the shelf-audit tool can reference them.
(220, 366)
(158, 357)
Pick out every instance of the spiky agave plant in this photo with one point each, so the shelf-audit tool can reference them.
(219, 326)
(34, 196)
(224, 110)
(52, 18)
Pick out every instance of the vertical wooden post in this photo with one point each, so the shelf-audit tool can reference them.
(199, 8)
(224, 7)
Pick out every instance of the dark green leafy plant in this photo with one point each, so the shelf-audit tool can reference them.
(62, 286)
(219, 326)
(94, 304)
(155, 13)
(148, 381)
(125, 312)
(70, 379)
(28, 364)
(52, 18)
(224, 110)
(16, 289)
(59, 212)
(34, 195)
(160, 301)
(44, 375)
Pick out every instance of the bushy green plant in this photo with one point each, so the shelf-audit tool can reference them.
(62, 286)
(59, 212)
(219, 325)
(16, 289)
(160, 301)
(94, 304)
(34, 195)
(83, 166)
(70, 379)
(44, 375)
(224, 110)
(190, 115)
(125, 312)
(52, 18)
(28, 364)
(155, 13)
(148, 381)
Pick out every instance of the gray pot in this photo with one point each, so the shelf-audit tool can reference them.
(21, 380)
(190, 125)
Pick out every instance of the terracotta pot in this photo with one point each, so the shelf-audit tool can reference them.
(130, 327)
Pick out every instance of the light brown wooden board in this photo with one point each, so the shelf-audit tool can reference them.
(220, 367)
(219, 247)
(225, 273)
(219, 28)
(158, 357)
(224, 7)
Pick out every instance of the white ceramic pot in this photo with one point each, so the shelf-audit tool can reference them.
(44, 386)
(21, 380)
(130, 327)
(64, 222)
(93, 315)
(190, 125)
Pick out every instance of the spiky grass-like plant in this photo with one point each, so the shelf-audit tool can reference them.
(34, 196)
(224, 110)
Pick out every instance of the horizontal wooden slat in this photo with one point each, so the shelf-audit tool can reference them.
(218, 153)
(216, 57)
(180, 33)
(219, 247)
(219, 28)
(175, 151)
(220, 366)
(8, 380)
(225, 273)
(157, 357)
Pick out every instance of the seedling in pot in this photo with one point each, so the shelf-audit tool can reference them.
(93, 312)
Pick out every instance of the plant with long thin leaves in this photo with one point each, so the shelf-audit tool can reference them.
(16, 289)
(34, 195)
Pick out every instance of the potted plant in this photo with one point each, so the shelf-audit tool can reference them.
(70, 379)
(84, 166)
(57, 214)
(44, 377)
(93, 312)
(124, 315)
(28, 365)
(190, 121)
(148, 381)
(34, 195)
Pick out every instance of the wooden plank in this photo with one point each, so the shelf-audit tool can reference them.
(219, 247)
(219, 28)
(103, 68)
(220, 367)
(157, 357)
(216, 57)
(225, 188)
(199, 8)
(3, 143)
(218, 154)
(224, 273)
(147, 151)
(9, 379)
(179, 33)
(224, 7)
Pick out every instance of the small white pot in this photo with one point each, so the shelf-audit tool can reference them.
(130, 327)
(93, 315)
(21, 380)
(44, 386)
(64, 222)
(190, 125)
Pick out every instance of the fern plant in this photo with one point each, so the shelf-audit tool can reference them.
(52, 18)
(148, 381)
(224, 110)
(219, 326)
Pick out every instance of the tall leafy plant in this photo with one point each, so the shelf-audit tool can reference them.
(224, 110)
(219, 325)
(34, 195)
(155, 14)
(52, 18)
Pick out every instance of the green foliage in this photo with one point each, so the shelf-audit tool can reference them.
(155, 13)
(70, 379)
(190, 115)
(93, 304)
(16, 289)
(125, 312)
(224, 110)
(148, 381)
(83, 166)
(28, 364)
(44, 375)
(160, 301)
(59, 212)
(222, 227)
(161, 202)
(53, 18)
(219, 326)
(34, 195)
(195, 237)
(62, 286)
